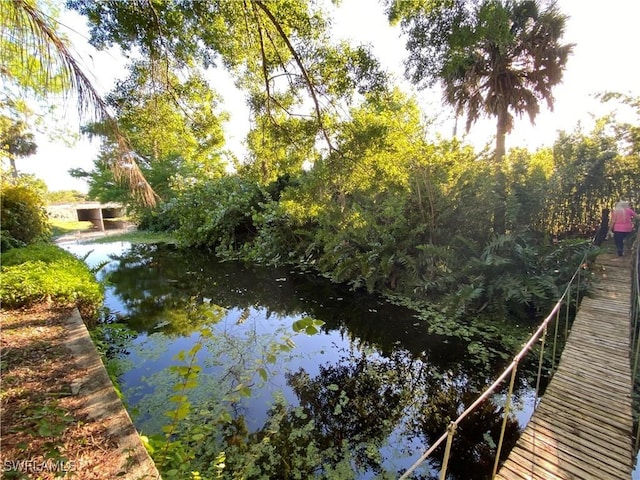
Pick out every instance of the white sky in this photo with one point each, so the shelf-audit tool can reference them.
(605, 58)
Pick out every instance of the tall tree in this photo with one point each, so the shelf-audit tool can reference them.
(15, 141)
(493, 57)
(172, 125)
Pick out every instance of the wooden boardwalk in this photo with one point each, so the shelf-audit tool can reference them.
(582, 428)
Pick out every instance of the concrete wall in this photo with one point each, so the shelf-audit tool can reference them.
(94, 212)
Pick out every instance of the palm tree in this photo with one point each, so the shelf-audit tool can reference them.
(510, 65)
(512, 61)
(34, 56)
(15, 141)
(493, 57)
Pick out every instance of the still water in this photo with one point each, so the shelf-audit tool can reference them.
(324, 374)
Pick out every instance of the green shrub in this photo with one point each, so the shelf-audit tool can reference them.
(46, 272)
(217, 214)
(42, 252)
(23, 215)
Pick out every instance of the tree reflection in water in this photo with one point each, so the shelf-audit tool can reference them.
(363, 399)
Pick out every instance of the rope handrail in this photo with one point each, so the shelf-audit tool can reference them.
(635, 319)
(509, 370)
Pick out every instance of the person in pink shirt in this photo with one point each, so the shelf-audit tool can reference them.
(621, 224)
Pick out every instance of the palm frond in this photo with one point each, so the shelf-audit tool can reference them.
(30, 30)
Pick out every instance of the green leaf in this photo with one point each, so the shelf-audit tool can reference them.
(206, 333)
(311, 330)
(180, 356)
(225, 417)
(298, 326)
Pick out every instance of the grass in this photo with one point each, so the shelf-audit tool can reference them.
(135, 237)
(62, 227)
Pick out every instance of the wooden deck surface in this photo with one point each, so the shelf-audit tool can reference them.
(582, 427)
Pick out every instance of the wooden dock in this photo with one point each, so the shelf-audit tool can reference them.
(582, 428)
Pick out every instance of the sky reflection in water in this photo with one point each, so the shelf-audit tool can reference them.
(153, 287)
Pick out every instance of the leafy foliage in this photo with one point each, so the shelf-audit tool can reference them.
(278, 51)
(65, 196)
(15, 141)
(38, 60)
(492, 56)
(395, 213)
(46, 272)
(173, 126)
(217, 214)
(24, 219)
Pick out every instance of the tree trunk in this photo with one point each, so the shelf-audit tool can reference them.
(14, 170)
(500, 211)
(501, 135)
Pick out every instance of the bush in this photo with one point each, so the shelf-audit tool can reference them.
(45, 272)
(24, 219)
(218, 214)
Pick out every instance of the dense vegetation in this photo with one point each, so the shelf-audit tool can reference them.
(344, 176)
(399, 214)
(24, 219)
(43, 272)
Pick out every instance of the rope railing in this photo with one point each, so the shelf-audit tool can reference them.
(635, 318)
(539, 335)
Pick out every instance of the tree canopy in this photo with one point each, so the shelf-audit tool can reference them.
(278, 51)
(493, 57)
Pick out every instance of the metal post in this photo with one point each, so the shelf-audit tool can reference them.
(635, 360)
(447, 450)
(634, 338)
(507, 409)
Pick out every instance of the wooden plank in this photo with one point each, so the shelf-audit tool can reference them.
(599, 413)
(614, 400)
(567, 453)
(552, 465)
(602, 337)
(561, 426)
(612, 371)
(611, 387)
(604, 425)
(604, 394)
(565, 440)
(602, 382)
(574, 433)
(604, 345)
(597, 364)
(582, 428)
(598, 361)
(580, 425)
(513, 471)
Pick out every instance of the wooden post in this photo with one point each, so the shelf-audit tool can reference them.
(604, 228)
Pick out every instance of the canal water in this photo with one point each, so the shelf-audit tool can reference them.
(338, 379)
